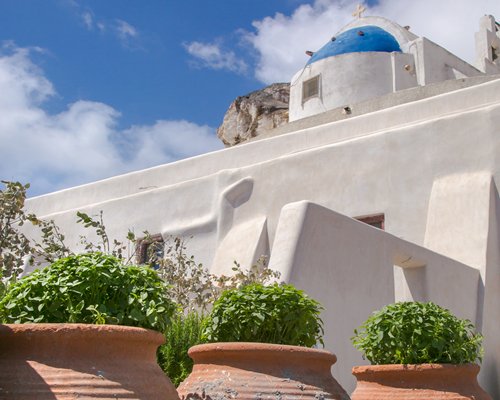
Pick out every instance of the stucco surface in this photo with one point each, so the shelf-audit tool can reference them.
(350, 268)
(348, 79)
(429, 164)
(152, 179)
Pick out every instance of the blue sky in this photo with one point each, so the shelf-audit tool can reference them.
(90, 89)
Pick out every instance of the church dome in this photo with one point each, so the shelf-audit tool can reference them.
(358, 40)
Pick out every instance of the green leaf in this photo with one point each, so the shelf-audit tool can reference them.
(415, 333)
(91, 287)
(275, 314)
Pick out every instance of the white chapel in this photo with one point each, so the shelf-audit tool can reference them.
(383, 187)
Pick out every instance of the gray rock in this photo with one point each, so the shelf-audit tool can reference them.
(251, 115)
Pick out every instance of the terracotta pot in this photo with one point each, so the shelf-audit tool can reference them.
(259, 371)
(78, 361)
(420, 381)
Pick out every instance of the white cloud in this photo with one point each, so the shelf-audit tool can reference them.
(101, 26)
(280, 41)
(210, 55)
(88, 20)
(82, 143)
(168, 141)
(124, 30)
(126, 33)
(22, 82)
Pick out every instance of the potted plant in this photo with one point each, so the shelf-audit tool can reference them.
(259, 334)
(56, 342)
(419, 350)
(183, 333)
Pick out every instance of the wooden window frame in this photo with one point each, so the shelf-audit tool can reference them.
(143, 245)
(375, 220)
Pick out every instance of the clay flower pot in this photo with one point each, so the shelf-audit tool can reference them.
(258, 371)
(78, 361)
(420, 381)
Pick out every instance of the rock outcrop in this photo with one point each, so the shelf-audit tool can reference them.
(251, 115)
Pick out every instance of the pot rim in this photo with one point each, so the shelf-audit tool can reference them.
(237, 348)
(81, 330)
(382, 369)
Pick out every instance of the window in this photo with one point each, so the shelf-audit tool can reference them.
(310, 88)
(150, 249)
(494, 53)
(376, 220)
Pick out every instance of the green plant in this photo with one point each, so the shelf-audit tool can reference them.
(90, 288)
(15, 247)
(193, 287)
(52, 246)
(184, 332)
(417, 333)
(105, 245)
(257, 273)
(278, 314)
(17, 251)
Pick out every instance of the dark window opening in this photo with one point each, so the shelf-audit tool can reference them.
(150, 250)
(310, 88)
(494, 53)
(376, 220)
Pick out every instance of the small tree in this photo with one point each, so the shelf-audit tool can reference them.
(15, 247)
(16, 250)
(115, 248)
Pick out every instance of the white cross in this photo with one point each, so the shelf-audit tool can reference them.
(360, 9)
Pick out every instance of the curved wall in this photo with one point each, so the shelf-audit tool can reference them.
(349, 78)
(402, 35)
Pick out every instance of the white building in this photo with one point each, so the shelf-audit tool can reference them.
(385, 126)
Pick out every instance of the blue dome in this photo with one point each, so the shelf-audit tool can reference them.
(357, 40)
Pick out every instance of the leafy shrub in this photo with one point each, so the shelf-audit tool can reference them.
(193, 286)
(115, 248)
(184, 332)
(17, 251)
(417, 333)
(278, 314)
(89, 288)
(15, 247)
